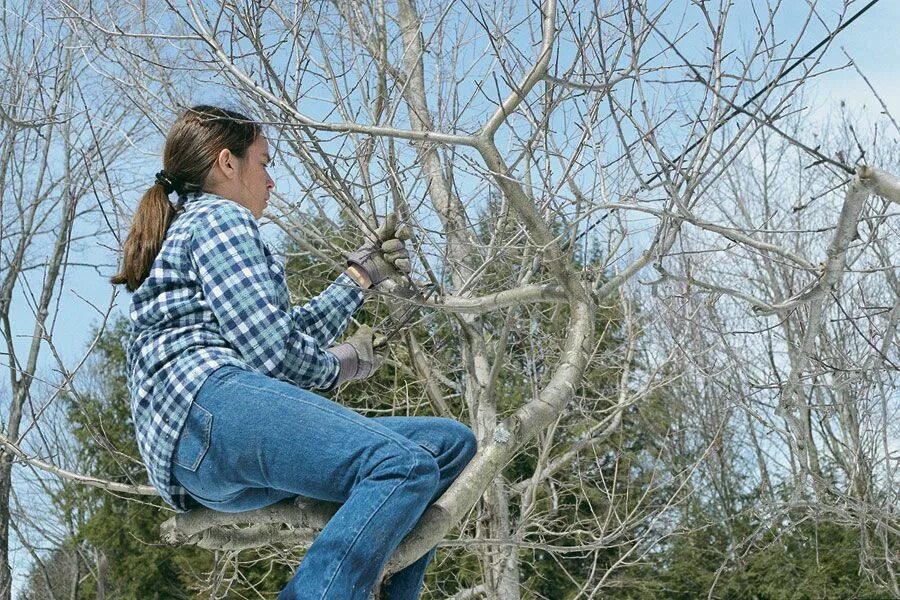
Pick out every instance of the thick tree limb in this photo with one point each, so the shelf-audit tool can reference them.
(832, 270)
(527, 294)
(884, 184)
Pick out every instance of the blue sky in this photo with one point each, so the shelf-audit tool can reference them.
(871, 41)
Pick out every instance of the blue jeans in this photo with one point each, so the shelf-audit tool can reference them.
(251, 440)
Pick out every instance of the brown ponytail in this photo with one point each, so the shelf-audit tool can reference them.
(194, 142)
(148, 230)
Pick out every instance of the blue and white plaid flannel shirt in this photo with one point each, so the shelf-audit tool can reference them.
(216, 295)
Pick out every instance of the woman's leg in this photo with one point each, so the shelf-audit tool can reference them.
(254, 431)
(453, 445)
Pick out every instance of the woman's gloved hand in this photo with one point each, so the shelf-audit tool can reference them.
(388, 256)
(356, 356)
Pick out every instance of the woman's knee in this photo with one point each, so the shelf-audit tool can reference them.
(464, 441)
(414, 466)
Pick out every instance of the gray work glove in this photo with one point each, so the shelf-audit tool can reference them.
(356, 356)
(388, 256)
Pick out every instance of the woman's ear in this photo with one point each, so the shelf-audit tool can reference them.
(221, 173)
(227, 164)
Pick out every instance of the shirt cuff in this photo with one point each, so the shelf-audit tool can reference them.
(348, 281)
(348, 363)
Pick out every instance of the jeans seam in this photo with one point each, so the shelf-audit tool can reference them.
(224, 373)
(431, 448)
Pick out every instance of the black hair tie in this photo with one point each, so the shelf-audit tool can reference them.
(170, 183)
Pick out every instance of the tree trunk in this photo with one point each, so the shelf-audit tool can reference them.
(5, 572)
(501, 563)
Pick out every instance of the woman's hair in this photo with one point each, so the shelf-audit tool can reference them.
(192, 146)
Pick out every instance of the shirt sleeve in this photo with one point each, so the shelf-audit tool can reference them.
(325, 317)
(227, 252)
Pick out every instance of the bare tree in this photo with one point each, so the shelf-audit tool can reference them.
(792, 339)
(56, 145)
(554, 160)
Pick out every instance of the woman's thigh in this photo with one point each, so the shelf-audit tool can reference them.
(448, 440)
(252, 440)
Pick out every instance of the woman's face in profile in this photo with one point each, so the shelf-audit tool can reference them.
(255, 182)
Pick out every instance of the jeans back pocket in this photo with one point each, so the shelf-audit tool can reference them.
(194, 439)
